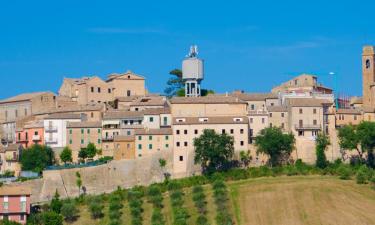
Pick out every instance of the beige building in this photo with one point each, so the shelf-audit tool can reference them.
(151, 141)
(88, 90)
(212, 105)
(80, 134)
(302, 83)
(9, 158)
(18, 108)
(124, 147)
(185, 129)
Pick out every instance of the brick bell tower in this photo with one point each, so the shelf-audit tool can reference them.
(368, 76)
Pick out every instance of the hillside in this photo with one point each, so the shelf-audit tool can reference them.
(280, 200)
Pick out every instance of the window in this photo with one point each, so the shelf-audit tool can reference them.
(185, 144)
(270, 124)
(25, 112)
(241, 143)
(139, 147)
(128, 132)
(300, 111)
(282, 114)
(99, 141)
(6, 114)
(88, 131)
(314, 111)
(315, 122)
(195, 131)
(282, 125)
(355, 117)
(82, 141)
(185, 132)
(270, 114)
(252, 107)
(301, 133)
(92, 89)
(181, 158)
(150, 146)
(36, 133)
(167, 145)
(151, 119)
(128, 93)
(16, 112)
(166, 137)
(251, 120)
(177, 131)
(99, 90)
(139, 138)
(263, 120)
(178, 144)
(92, 115)
(99, 131)
(241, 131)
(295, 82)
(272, 104)
(22, 216)
(165, 120)
(223, 131)
(109, 90)
(19, 136)
(300, 123)
(70, 141)
(82, 131)
(231, 131)
(314, 133)
(150, 138)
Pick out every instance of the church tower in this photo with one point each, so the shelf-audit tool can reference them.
(368, 76)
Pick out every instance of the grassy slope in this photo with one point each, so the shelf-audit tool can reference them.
(280, 200)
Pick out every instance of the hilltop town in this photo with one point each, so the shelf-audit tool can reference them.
(132, 129)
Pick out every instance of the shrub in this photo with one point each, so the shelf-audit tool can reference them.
(344, 172)
(56, 203)
(363, 174)
(96, 207)
(52, 218)
(202, 220)
(69, 211)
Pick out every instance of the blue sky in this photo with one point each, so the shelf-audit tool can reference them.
(249, 45)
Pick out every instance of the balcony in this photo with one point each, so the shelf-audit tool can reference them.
(308, 127)
(51, 141)
(107, 138)
(22, 140)
(257, 112)
(36, 138)
(51, 129)
(131, 126)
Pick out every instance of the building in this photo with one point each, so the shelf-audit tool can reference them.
(124, 147)
(55, 128)
(80, 134)
(368, 76)
(150, 141)
(20, 107)
(9, 158)
(185, 129)
(304, 83)
(93, 89)
(31, 133)
(15, 203)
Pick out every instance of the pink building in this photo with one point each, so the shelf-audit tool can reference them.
(14, 203)
(31, 133)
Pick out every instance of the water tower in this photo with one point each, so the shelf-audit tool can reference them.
(192, 73)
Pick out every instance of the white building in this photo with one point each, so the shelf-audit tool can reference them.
(55, 128)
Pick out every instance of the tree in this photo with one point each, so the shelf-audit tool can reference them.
(245, 158)
(274, 143)
(56, 203)
(91, 150)
(66, 155)
(163, 164)
(175, 83)
(348, 139)
(37, 158)
(78, 182)
(52, 218)
(213, 151)
(360, 138)
(82, 154)
(69, 211)
(321, 142)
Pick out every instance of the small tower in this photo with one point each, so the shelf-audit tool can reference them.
(192, 73)
(368, 73)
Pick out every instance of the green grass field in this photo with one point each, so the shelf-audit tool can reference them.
(275, 200)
